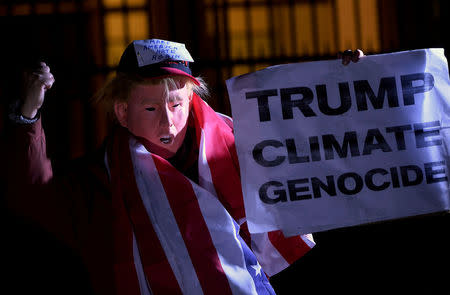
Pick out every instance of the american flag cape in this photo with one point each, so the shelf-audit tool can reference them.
(174, 236)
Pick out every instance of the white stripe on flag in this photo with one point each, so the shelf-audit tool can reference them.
(159, 211)
(309, 240)
(222, 230)
(204, 174)
(143, 285)
(268, 256)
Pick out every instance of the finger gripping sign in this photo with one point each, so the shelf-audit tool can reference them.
(324, 146)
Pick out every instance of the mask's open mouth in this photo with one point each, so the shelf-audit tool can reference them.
(166, 139)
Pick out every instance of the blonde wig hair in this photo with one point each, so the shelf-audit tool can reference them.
(119, 88)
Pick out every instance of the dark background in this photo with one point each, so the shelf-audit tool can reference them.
(409, 256)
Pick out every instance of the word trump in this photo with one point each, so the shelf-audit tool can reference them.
(410, 85)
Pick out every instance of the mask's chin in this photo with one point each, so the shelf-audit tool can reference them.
(164, 148)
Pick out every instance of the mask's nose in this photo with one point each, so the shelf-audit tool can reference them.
(166, 118)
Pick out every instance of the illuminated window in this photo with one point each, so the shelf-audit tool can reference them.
(325, 33)
(125, 21)
(283, 29)
(261, 43)
(137, 25)
(112, 3)
(370, 31)
(21, 9)
(45, 8)
(237, 25)
(303, 29)
(258, 31)
(67, 6)
(115, 36)
(239, 70)
(135, 3)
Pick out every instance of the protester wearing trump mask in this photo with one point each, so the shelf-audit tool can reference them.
(158, 209)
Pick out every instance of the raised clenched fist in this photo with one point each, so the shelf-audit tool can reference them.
(35, 83)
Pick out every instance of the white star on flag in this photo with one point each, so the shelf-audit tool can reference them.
(257, 268)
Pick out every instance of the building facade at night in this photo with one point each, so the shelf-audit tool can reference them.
(82, 41)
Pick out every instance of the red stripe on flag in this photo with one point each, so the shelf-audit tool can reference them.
(154, 261)
(158, 271)
(193, 228)
(291, 248)
(126, 280)
(221, 159)
(245, 234)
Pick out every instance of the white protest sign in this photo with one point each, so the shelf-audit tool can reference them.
(323, 146)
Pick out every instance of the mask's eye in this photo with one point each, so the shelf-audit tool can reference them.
(175, 105)
(151, 109)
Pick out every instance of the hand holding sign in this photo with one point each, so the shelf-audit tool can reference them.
(323, 146)
(348, 55)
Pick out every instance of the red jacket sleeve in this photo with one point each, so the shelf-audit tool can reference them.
(31, 191)
(26, 155)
